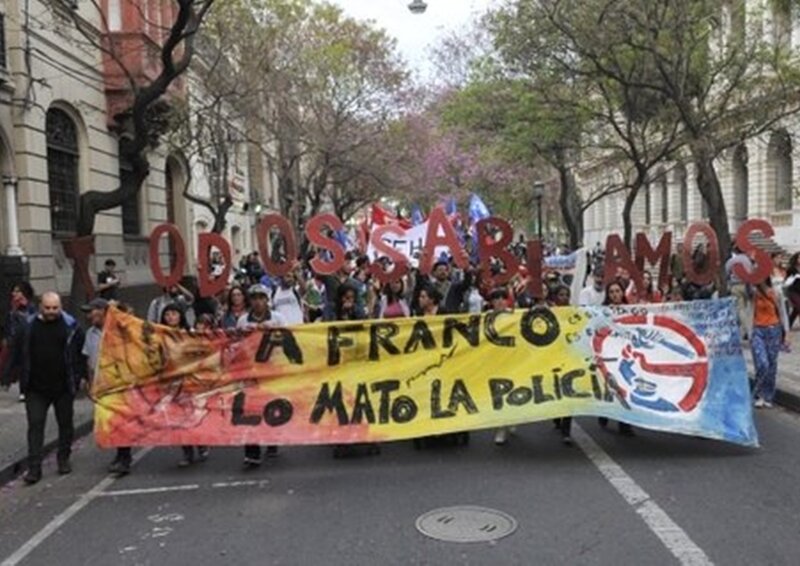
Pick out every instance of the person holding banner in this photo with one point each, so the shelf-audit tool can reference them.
(236, 307)
(498, 299)
(346, 307)
(173, 316)
(392, 300)
(560, 297)
(260, 318)
(615, 296)
(648, 296)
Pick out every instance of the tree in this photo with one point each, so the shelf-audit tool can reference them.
(709, 65)
(144, 122)
(624, 124)
(324, 90)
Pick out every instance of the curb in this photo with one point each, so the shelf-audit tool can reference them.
(789, 401)
(13, 470)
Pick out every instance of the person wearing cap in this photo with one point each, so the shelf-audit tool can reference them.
(107, 282)
(96, 316)
(96, 310)
(260, 317)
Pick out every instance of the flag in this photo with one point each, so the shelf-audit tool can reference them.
(380, 217)
(477, 210)
(417, 217)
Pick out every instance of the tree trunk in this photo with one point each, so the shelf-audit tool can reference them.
(710, 189)
(571, 207)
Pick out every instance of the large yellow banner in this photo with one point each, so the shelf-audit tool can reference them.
(668, 367)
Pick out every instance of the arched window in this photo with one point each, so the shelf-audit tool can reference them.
(741, 187)
(63, 157)
(779, 159)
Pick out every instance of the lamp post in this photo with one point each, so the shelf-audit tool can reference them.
(417, 6)
(538, 194)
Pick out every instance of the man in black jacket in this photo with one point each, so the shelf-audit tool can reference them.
(53, 369)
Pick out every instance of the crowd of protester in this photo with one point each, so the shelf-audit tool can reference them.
(37, 339)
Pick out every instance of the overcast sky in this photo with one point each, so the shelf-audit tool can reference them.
(415, 33)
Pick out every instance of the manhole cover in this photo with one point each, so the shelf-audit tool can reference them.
(466, 524)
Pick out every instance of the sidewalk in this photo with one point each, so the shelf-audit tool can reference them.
(14, 427)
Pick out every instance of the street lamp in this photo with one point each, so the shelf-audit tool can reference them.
(538, 193)
(418, 6)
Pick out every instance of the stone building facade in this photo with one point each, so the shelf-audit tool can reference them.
(58, 100)
(758, 178)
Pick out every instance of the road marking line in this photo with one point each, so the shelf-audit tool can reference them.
(60, 519)
(149, 490)
(250, 483)
(669, 533)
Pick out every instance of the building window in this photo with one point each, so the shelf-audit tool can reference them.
(740, 184)
(114, 15)
(2, 41)
(683, 192)
(62, 170)
(781, 24)
(131, 222)
(779, 159)
(663, 187)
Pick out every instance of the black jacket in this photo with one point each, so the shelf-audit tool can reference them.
(74, 360)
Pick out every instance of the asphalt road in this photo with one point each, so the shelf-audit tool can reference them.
(653, 499)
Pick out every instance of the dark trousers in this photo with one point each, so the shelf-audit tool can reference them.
(36, 406)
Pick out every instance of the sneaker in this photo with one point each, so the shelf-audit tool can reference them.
(759, 403)
(120, 467)
(32, 476)
(501, 437)
(251, 463)
(64, 468)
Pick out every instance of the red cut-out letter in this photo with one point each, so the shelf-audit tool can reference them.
(661, 255)
(499, 249)
(207, 286)
(618, 257)
(399, 260)
(176, 273)
(712, 254)
(268, 222)
(315, 229)
(80, 250)
(535, 287)
(436, 220)
(763, 261)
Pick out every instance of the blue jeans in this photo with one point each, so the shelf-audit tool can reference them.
(766, 344)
